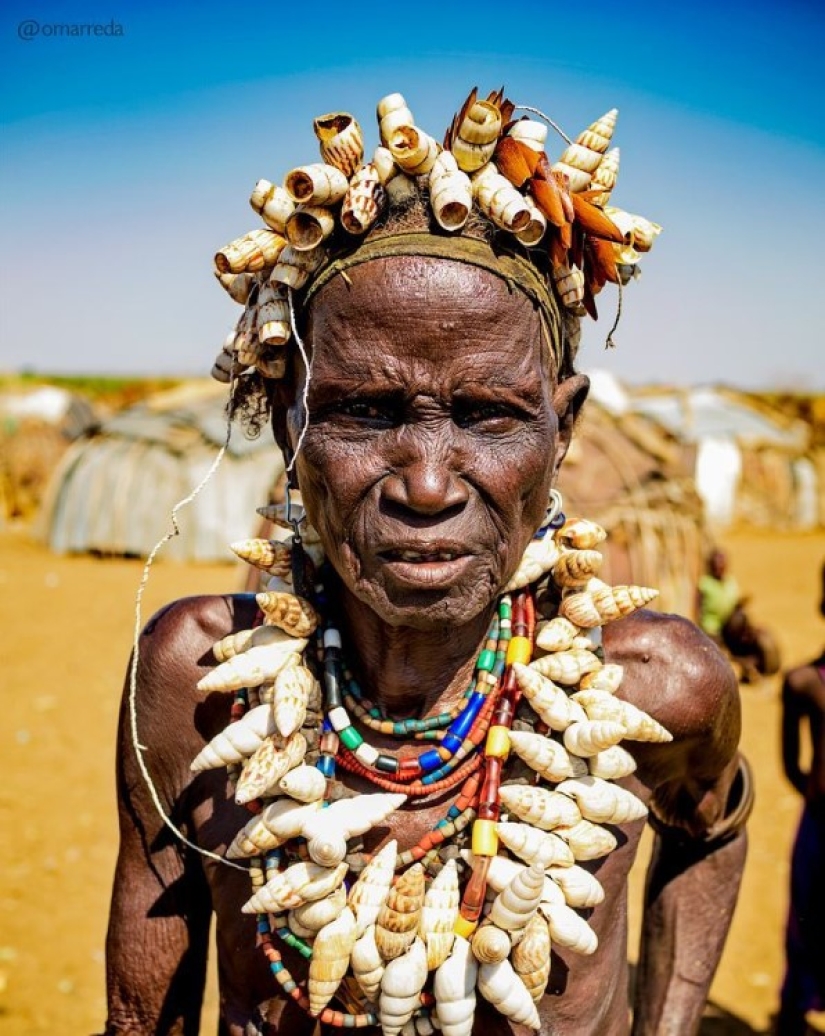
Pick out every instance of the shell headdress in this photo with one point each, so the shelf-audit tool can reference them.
(553, 213)
(409, 940)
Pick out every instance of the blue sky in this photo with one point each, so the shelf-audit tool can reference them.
(127, 160)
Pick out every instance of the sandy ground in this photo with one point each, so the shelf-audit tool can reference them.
(67, 627)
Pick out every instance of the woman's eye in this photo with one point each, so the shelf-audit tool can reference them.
(492, 414)
(370, 412)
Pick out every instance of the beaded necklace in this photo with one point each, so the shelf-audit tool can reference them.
(339, 907)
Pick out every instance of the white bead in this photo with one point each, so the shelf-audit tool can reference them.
(332, 638)
(339, 719)
(366, 753)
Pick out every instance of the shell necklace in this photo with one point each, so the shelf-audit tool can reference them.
(407, 940)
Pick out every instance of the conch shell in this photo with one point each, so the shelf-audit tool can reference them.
(308, 226)
(568, 929)
(290, 613)
(490, 944)
(567, 667)
(268, 764)
(502, 870)
(369, 893)
(540, 807)
(341, 140)
(581, 533)
(257, 250)
(392, 113)
(237, 285)
(273, 315)
(384, 165)
(592, 736)
(235, 643)
(330, 959)
(454, 988)
(414, 150)
(608, 678)
(438, 915)
(327, 832)
(304, 783)
(581, 159)
(580, 887)
(451, 193)
(273, 204)
(476, 135)
(549, 702)
(316, 184)
(502, 987)
(367, 964)
(569, 281)
(548, 758)
(401, 984)
(538, 558)
(397, 921)
(364, 201)
(270, 556)
(535, 230)
(301, 883)
(612, 763)
(607, 172)
(239, 740)
(556, 635)
(639, 233)
(499, 200)
(529, 132)
(603, 802)
(587, 841)
(291, 693)
(294, 267)
(312, 916)
(601, 603)
(253, 667)
(279, 821)
(576, 567)
(533, 845)
(517, 902)
(638, 725)
(531, 957)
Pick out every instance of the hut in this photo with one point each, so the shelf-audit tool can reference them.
(37, 425)
(753, 463)
(630, 474)
(114, 489)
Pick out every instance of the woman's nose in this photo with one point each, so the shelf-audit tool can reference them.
(425, 483)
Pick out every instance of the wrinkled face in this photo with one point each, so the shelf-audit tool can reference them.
(432, 439)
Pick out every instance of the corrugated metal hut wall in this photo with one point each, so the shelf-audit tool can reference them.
(636, 480)
(114, 492)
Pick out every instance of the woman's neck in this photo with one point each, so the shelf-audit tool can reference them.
(408, 672)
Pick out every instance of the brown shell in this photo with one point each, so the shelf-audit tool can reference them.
(397, 922)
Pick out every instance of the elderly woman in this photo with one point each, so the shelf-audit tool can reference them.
(408, 805)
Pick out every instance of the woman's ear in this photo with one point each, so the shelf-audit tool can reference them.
(568, 399)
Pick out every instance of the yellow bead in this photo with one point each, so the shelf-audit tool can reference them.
(520, 649)
(485, 838)
(498, 742)
(464, 927)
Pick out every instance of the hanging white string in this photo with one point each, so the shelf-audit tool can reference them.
(305, 393)
(138, 747)
(547, 119)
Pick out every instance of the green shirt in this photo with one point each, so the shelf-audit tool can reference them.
(718, 598)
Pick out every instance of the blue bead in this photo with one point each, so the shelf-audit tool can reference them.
(451, 742)
(429, 760)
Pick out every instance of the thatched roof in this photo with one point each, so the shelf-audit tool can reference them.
(114, 490)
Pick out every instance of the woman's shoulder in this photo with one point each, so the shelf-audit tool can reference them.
(677, 673)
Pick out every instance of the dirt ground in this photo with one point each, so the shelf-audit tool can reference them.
(67, 627)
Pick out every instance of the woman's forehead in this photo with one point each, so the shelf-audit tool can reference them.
(420, 310)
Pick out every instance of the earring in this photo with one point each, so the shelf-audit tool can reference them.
(554, 517)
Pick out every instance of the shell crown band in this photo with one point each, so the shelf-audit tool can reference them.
(552, 229)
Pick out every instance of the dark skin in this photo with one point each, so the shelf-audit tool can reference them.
(803, 700)
(437, 426)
